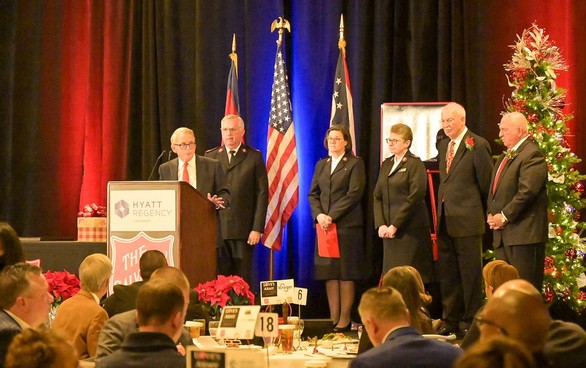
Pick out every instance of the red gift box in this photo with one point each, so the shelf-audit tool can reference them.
(92, 229)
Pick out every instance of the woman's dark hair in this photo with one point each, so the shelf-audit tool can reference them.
(10, 247)
(345, 132)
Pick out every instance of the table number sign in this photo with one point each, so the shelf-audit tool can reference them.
(277, 292)
(300, 296)
(267, 325)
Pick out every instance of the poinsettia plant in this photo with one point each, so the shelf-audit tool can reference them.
(62, 285)
(224, 290)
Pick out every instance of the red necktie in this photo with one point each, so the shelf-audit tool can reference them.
(498, 173)
(450, 157)
(185, 176)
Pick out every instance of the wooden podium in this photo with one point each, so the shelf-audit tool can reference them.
(170, 216)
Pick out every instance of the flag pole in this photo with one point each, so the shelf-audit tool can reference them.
(233, 55)
(342, 41)
(281, 24)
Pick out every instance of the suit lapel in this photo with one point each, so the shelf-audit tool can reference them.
(507, 165)
(174, 167)
(240, 156)
(340, 165)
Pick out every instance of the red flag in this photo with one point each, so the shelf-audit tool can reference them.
(232, 101)
(342, 110)
(281, 158)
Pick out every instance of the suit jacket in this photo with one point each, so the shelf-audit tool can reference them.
(246, 179)
(144, 349)
(465, 188)
(405, 348)
(521, 195)
(209, 176)
(122, 299)
(121, 325)
(8, 329)
(339, 194)
(81, 319)
(399, 196)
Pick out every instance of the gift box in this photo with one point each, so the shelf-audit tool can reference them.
(92, 229)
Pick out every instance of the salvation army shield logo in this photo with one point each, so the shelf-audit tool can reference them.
(125, 255)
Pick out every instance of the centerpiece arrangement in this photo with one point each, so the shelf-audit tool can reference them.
(62, 286)
(224, 290)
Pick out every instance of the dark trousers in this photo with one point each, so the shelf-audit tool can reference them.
(235, 258)
(459, 271)
(528, 259)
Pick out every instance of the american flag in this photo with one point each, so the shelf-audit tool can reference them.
(281, 158)
(342, 110)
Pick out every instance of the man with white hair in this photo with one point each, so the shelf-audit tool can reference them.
(517, 201)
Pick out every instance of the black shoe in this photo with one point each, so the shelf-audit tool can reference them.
(346, 328)
(447, 330)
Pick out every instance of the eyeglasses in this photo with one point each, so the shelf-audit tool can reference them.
(229, 130)
(447, 120)
(185, 146)
(335, 140)
(483, 321)
(393, 141)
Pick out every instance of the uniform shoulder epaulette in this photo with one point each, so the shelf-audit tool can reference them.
(214, 149)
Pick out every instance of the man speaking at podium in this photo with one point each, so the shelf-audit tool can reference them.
(203, 173)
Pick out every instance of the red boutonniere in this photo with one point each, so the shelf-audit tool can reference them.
(345, 159)
(470, 143)
(404, 160)
(243, 150)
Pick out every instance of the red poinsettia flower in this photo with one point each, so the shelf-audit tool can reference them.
(223, 291)
(62, 285)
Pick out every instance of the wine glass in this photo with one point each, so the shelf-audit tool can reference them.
(299, 330)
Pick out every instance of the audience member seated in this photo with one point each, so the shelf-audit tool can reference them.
(516, 309)
(495, 273)
(387, 322)
(124, 296)
(80, 317)
(123, 324)
(10, 248)
(160, 313)
(40, 349)
(24, 302)
(404, 279)
(497, 352)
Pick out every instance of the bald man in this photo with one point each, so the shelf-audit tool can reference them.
(517, 201)
(517, 310)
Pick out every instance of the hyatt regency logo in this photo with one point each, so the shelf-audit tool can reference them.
(121, 209)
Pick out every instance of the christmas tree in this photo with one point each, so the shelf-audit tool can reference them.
(532, 72)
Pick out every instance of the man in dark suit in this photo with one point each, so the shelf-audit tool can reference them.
(516, 310)
(160, 313)
(397, 344)
(204, 174)
(124, 297)
(122, 325)
(465, 165)
(517, 202)
(24, 302)
(243, 221)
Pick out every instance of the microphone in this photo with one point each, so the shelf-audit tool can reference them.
(156, 164)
